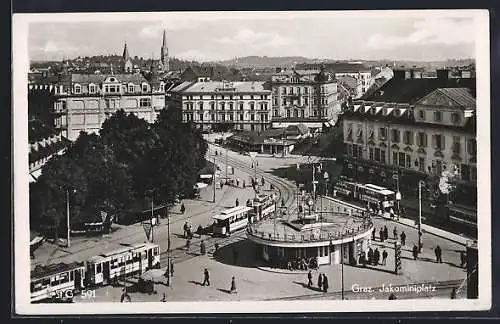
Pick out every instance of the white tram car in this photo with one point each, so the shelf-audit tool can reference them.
(129, 260)
(231, 220)
(263, 205)
(57, 281)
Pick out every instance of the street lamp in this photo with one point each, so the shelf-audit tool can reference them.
(67, 217)
(325, 176)
(420, 183)
(398, 199)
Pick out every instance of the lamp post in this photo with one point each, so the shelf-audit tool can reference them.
(169, 264)
(398, 199)
(325, 176)
(420, 183)
(67, 218)
(213, 180)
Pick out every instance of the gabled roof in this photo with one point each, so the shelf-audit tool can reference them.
(297, 129)
(99, 78)
(411, 90)
(348, 81)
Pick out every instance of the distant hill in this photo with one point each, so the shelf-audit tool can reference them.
(266, 61)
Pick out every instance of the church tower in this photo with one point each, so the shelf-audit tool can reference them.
(127, 61)
(164, 53)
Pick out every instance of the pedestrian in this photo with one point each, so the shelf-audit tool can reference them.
(216, 246)
(237, 182)
(172, 268)
(438, 253)
(381, 233)
(237, 202)
(183, 208)
(185, 229)
(325, 283)
(386, 233)
(392, 297)
(373, 234)
(403, 238)
(453, 294)
(188, 244)
(263, 181)
(415, 251)
(320, 281)
(395, 233)
(125, 295)
(384, 257)
(221, 185)
(376, 256)
(244, 184)
(363, 258)
(206, 278)
(309, 278)
(462, 259)
(164, 299)
(202, 247)
(233, 286)
(370, 256)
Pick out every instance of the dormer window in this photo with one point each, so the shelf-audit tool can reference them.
(162, 87)
(130, 88)
(78, 89)
(455, 118)
(92, 88)
(145, 87)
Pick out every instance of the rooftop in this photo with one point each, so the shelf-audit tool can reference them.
(226, 87)
(99, 78)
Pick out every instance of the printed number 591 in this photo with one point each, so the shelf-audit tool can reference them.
(87, 294)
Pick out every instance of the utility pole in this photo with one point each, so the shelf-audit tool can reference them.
(226, 164)
(67, 218)
(420, 216)
(169, 263)
(215, 167)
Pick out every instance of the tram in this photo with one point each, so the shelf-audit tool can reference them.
(129, 260)
(376, 197)
(263, 205)
(58, 281)
(231, 220)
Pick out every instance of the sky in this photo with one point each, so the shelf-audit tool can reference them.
(220, 36)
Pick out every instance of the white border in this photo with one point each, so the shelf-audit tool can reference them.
(21, 181)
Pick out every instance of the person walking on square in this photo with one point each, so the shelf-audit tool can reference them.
(438, 253)
(386, 233)
(202, 248)
(453, 294)
(415, 251)
(237, 202)
(320, 281)
(376, 256)
(233, 286)
(183, 208)
(381, 233)
(395, 233)
(309, 278)
(370, 256)
(403, 238)
(325, 283)
(206, 278)
(384, 257)
(186, 229)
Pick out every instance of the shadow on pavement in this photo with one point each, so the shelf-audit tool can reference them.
(313, 288)
(227, 291)
(241, 253)
(372, 268)
(195, 282)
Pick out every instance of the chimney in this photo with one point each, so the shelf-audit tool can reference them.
(442, 74)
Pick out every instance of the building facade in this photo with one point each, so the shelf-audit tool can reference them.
(418, 127)
(224, 105)
(83, 102)
(305, 94)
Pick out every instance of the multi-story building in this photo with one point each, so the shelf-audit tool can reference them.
(360, 72)
(305, 94)
(416, 127)
(224, 105)
(84, 101)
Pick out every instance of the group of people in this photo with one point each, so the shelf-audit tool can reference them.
(295, 263)
(322, 281)
(373, 257)
(384, 235)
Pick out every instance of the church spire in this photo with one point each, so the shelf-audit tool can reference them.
(125, 55)
(164, 52)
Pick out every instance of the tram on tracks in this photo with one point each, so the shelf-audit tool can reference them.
(56, 281)
(231, 220)
(60, 282)
(263, 205)
(375, 197)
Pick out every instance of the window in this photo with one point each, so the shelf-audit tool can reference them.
(241, 105)
(421, 164)
(223, 117)
(92, 88)
(241, 116)
(382, 156)
(230, 106)
(252, 117)
(302, 113)
(212, 106)
(145, 88)
(370, 133)
(283, 91)
(439, 142)
(382, 133)
(201, 105)
(306, 101)
(212, 117)
(395, 136)
(222, 105)
(288, 113)
(99, 267)
(130, 88)
(438, 116)
(276, 113)
(284, 102)
(422, 139)
(241, 97)
(371, 155)
(252, 127)
(78, 89)
(471, 146)
(408, 138)
(251, 97)
(377, 154)
(252, 106)
(275, 101)
(145, 102)
(291, 90)
(230, 116)
(457, 147)
(395, 158)
(455, 118)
